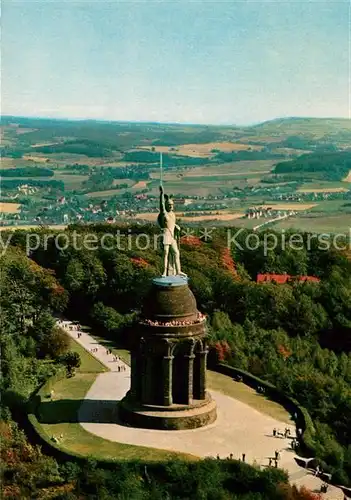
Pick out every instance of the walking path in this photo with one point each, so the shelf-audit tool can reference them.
(238, 428)
(101, 353)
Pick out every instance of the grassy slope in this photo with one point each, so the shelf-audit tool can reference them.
(89, 363)
(317, 127)
(218, 382)
(240, 391)
(62, 415)
(59, 416)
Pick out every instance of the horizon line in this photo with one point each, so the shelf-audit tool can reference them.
(194, 124)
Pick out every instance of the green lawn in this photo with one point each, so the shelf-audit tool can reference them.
(109, 344)
(237, 390)
(89, 363)
(216, 381)
(60, 417)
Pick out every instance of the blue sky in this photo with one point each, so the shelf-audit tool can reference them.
(225, 62)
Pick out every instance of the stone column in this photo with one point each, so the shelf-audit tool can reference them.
(167, 365)
(146, 392)
(189, 371)
(202, 375)
(134, 376)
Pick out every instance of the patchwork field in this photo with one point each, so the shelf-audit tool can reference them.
(12, 163)
(140, 185)
(37, 159)
(206, 150)
(72, 181)
(10, 208)
(32, 226)
(290, 206)
(197, 187)
(319, 224)
(232, 185)
(215, 217)
(106, 194)
(234, 168)
(323, 190)
(221, 216)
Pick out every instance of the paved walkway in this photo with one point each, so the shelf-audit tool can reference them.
(238, 428)
(90, 344)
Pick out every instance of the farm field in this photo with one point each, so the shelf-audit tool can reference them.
(107, 193)
(31, 226)
(36, 159)
(6, 163)
(198, 173)
(221, 216)
(234, 168)
(290, 206)
(331, 207)
(197, 187)
(215, 217)
(322, 224)
(323, 190)
(203, 150)
(71, 181)
(10, 208)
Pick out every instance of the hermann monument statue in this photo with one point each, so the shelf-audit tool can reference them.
(169, 347)
(171, 233)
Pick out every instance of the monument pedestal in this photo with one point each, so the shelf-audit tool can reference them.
(168, 389)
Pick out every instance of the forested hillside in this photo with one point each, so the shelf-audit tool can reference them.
(296, 335)
(328, 166)
(101, 288)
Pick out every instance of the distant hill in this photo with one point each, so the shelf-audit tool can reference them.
(21, 135)
(317, 127)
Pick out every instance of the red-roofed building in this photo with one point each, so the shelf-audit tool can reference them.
(280, 279)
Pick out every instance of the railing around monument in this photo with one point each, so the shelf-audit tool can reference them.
(302, 418)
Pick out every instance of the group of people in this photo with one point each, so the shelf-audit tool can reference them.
(199, 319)
(231, 457)
(68, 325)
(285, 434)
(120, 368)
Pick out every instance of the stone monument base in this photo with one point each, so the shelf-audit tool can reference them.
(174, 417)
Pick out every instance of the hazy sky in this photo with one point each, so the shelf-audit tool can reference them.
(176, 61)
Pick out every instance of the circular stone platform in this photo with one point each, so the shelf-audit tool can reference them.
(238, 428)
(170, 280)
(172, 418)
